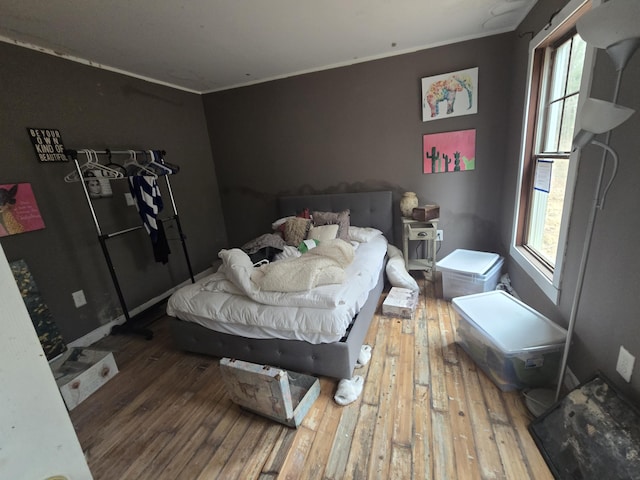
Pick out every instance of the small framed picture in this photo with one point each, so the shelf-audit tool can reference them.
(450, 95)
(449, 151)
(98, 185)
(19, 211)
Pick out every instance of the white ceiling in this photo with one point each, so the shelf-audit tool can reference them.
(209, 45)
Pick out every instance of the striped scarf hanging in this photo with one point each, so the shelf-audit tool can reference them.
(148, 201)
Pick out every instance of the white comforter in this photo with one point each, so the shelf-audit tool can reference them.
(271, 284)
(322, 265)
(318, 315)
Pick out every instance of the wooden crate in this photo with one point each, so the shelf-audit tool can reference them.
(278, 394)
(426, 212)
(400, 302)
(81, 371)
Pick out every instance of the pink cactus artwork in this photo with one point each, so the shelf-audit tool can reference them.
(18, 210)
(449, 151)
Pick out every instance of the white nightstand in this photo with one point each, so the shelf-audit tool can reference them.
(425, 232)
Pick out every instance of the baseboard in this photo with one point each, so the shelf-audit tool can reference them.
(104, 330)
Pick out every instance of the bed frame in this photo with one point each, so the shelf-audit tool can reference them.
(338, 359)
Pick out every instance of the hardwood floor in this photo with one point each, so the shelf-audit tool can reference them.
(426, 412)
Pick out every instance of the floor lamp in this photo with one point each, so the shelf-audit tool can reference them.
(613, 26)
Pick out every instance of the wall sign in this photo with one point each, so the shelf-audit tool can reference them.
(48, 144)
(542, 179)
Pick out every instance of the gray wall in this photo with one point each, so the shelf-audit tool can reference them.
(360, 128)
(610, 302)
(99, 109)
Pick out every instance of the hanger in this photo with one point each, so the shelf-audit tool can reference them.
(114, 165)
(158, 166)
(172, 166)
(92, 163)
(138, 169)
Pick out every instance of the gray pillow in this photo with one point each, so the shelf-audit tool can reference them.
(342, 219)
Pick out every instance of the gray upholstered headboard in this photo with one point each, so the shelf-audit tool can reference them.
(368, 209)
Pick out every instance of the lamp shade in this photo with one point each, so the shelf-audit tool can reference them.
(599, 116)
(614, 26)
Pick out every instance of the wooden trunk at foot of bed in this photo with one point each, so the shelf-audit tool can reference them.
(335, 360)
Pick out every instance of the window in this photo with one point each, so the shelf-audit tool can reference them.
(553, 134)
(558, 59)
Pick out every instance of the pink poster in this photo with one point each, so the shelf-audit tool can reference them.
(18, 210)
(449, 151)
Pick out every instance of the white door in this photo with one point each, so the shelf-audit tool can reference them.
(37, 439)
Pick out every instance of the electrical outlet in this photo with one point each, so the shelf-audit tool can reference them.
(79, 299)
(625, 364)
(439, 235)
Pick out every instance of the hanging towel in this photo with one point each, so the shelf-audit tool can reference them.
(148, 201)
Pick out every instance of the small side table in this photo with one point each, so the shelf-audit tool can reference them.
(427, 233)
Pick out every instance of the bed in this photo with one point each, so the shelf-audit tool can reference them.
(333, 358)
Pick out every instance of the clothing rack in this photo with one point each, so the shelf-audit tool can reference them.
(129, 326)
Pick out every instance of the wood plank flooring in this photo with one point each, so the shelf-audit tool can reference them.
(425, 412)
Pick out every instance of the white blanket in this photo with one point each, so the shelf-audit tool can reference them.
(267, 284)
(318, 315)
(322, 265)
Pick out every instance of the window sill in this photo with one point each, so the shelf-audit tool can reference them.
(539, 275)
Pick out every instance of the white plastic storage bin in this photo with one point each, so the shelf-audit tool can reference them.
(465, 272)
(513, 344)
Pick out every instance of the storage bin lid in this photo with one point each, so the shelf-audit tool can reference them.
(468, 261)
(510, 324)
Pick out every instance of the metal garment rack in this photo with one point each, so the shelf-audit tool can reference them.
(129, 325)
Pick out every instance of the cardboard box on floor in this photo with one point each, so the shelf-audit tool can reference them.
(400, 302)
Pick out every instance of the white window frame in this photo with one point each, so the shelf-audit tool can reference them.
(550, 284)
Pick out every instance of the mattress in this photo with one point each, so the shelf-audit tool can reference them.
(237, 314)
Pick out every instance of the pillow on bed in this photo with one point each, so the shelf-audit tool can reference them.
(363, 234)
(397, 271)
(323, 233)
(342, 219)
(296, 230)
(279, 224)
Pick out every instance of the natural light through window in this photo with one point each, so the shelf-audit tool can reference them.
(558, 77)
(560, 86)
